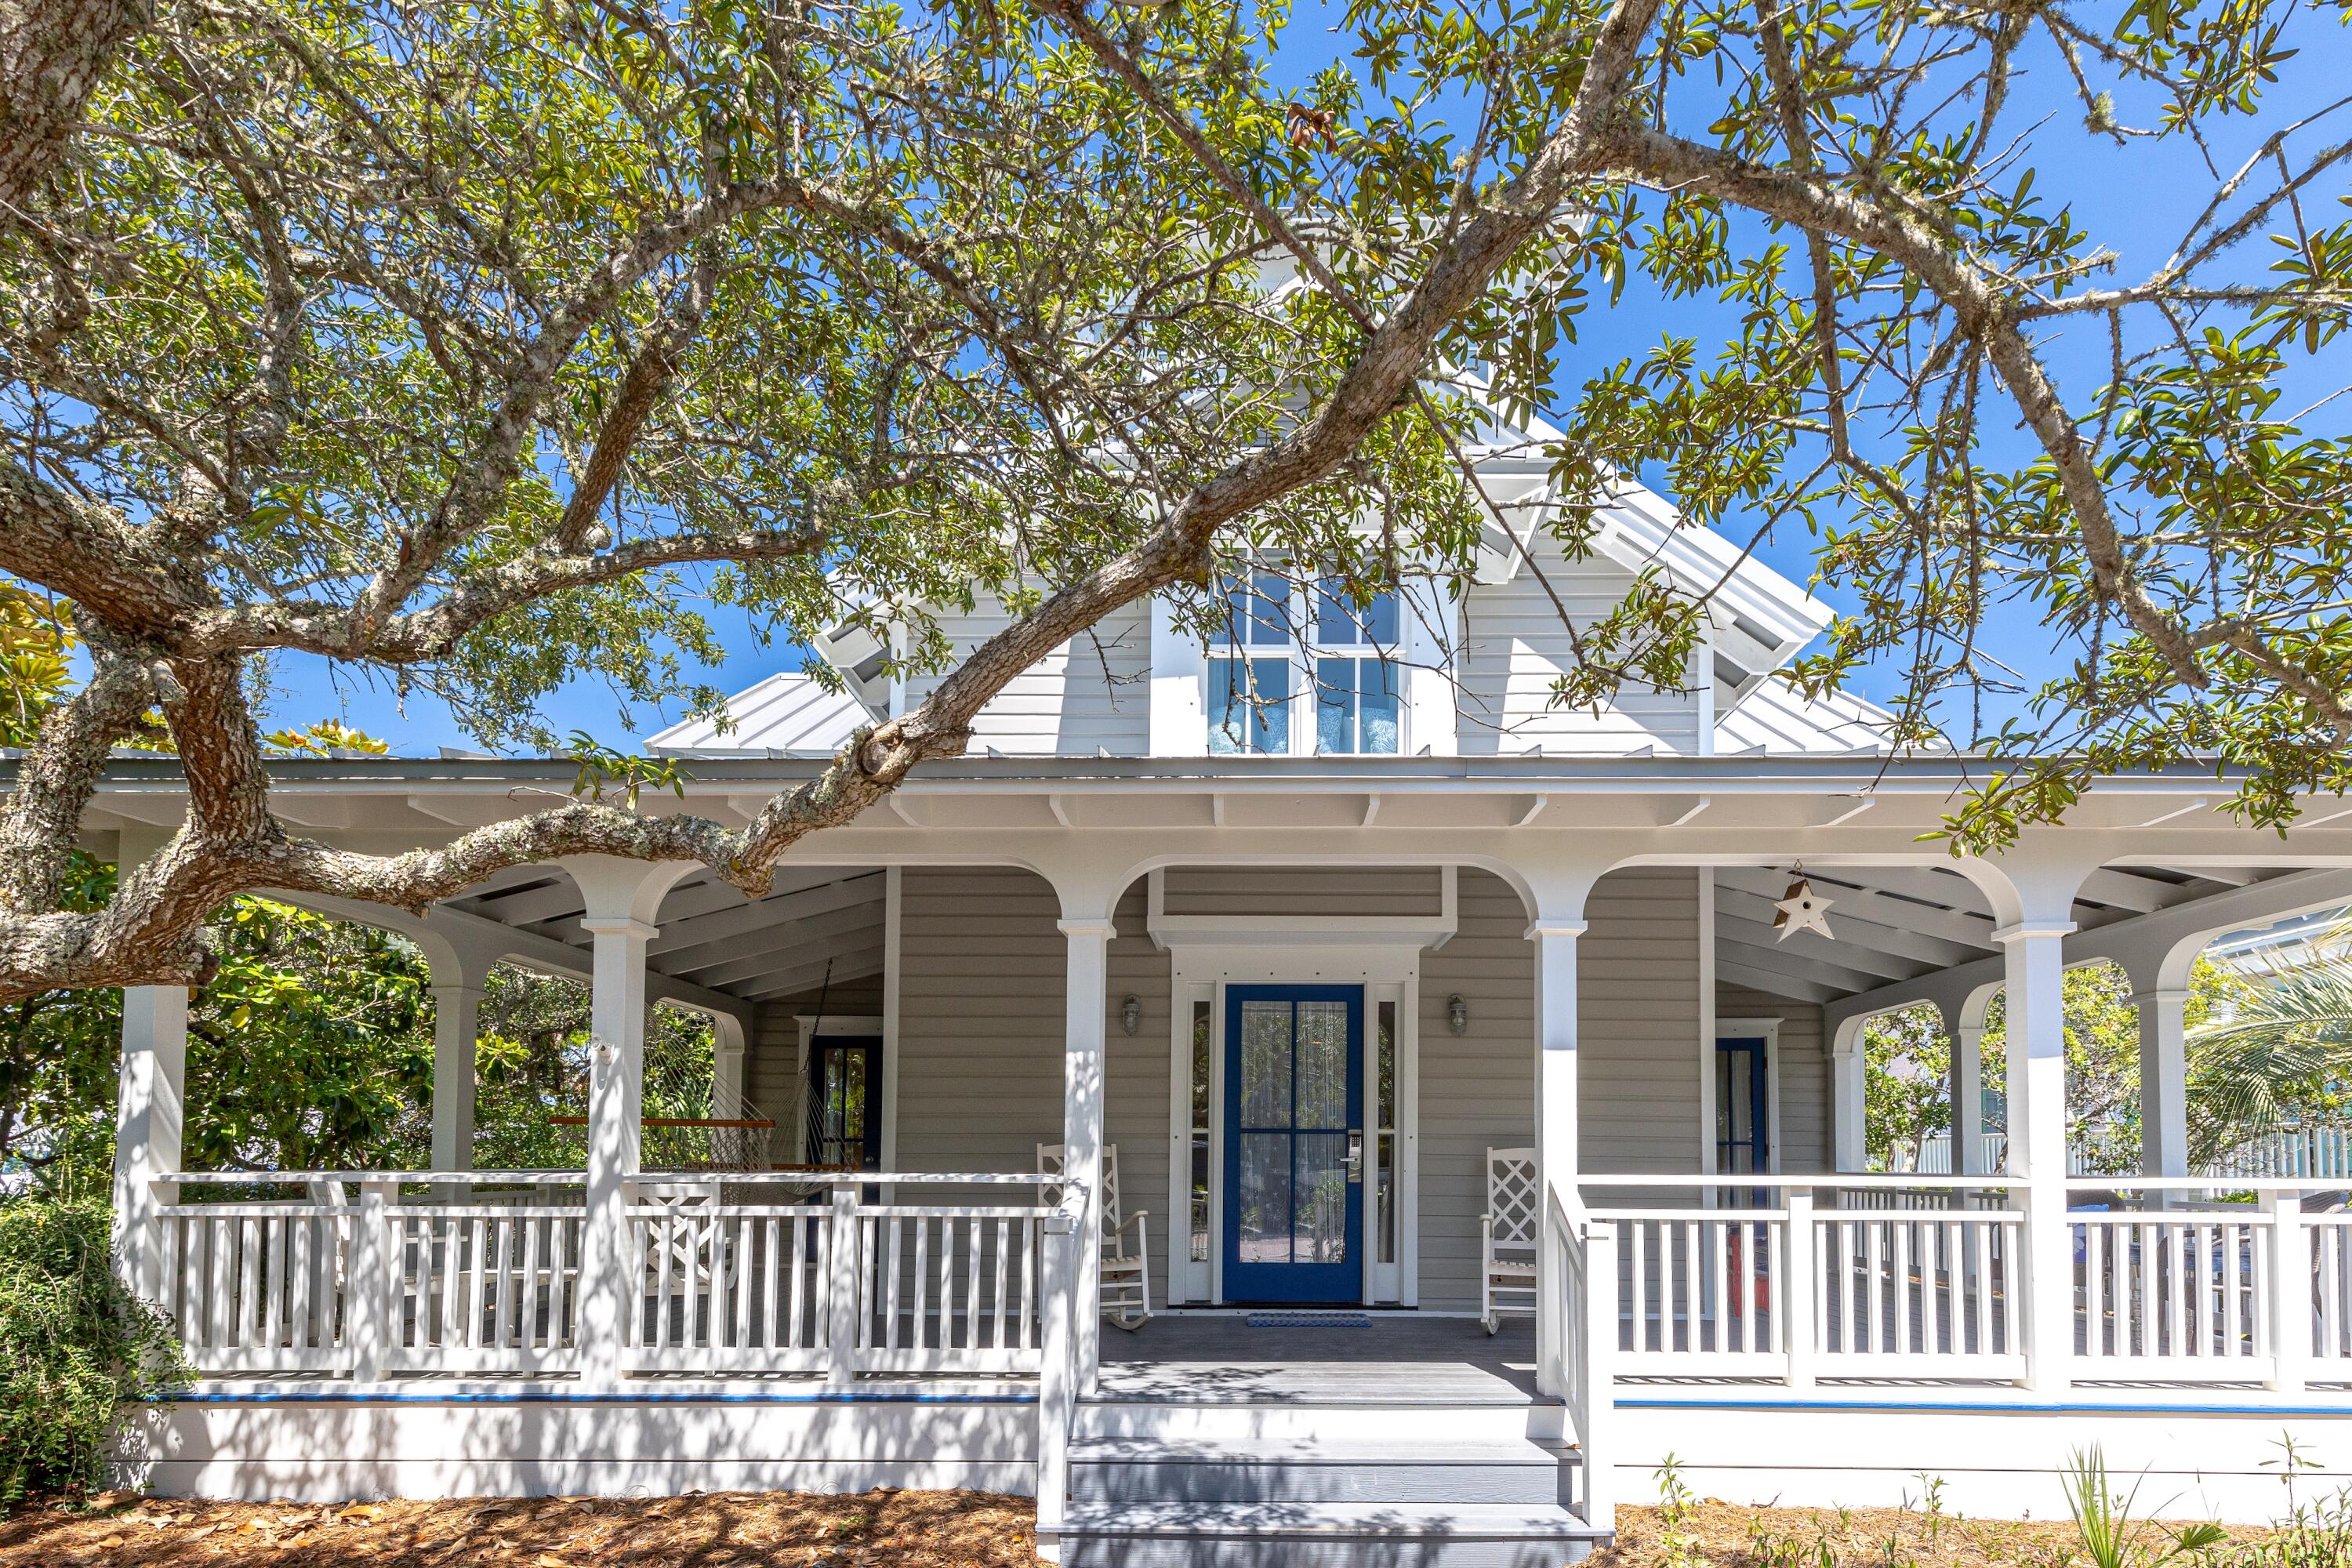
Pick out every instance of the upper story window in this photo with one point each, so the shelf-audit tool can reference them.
(1355, 673)
(1266, 656)
(1249, 683)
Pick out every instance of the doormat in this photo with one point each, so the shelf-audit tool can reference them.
(1308, 1321)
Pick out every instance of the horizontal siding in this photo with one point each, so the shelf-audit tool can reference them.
(1637, 986)
(979, 1019)
(1092, 693)
(1258, 891)
(1803, 1085)
(981, 1015)
(1637, 1046)
(1136, 1087)
(1514, 647)
(772, 1079)
(1477, 1088)
(981, 1011)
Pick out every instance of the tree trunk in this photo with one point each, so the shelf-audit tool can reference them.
(53, 54)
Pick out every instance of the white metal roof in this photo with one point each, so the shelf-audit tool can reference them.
(1776, 720)
(788, 714)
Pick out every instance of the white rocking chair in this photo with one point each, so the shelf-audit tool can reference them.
(1507, 1232)
(1125, 1258)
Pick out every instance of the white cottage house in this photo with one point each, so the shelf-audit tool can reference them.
(1391, 1012)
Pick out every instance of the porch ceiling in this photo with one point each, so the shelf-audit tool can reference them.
(1895, 924)
(1900, 919)
(711, 935)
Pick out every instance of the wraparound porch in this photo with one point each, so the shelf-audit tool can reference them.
(615, 1283)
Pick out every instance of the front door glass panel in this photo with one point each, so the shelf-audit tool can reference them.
(1294, 1129)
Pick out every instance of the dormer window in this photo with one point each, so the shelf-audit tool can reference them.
(1260, 664)
(1356, 708)
(1249, 669)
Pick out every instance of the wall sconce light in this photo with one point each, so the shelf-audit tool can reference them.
(1457, 1013)
(1130, 1014)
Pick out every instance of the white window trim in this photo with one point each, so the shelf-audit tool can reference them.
(855, 1025)
(1748, 1028)
(1389, 970)
(1299, 651)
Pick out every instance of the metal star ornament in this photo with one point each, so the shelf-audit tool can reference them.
(1801, 909)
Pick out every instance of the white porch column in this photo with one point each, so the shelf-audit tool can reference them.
(1849, 1143)
(458, 958)
(622, 897)
(147, 1127)
(1081, 1126)
(1967, 1039)
(2035, 965)
(2163, 1083)
(726, 1046)
(148, 1113)
(1557, 1146)
(457, 1015)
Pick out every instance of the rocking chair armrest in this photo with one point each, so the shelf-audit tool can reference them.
(1131, 1222)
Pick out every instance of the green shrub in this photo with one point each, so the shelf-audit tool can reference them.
(77, 1350)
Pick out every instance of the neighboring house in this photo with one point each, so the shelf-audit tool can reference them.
(1399, 984)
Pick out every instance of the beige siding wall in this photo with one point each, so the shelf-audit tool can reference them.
(980, 1042)
(772, 1067)
(1477, 1087)
(979, 1034)
(1804, 1074)
(979, 1019)
(1092, 692)
(1514, 647)
(1637, 979)
(1135, 1115)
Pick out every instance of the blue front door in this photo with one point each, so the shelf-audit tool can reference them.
(1293, 1143)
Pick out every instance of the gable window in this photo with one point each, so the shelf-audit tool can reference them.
(1355, 673)
(1249, 679)
(1272, 648)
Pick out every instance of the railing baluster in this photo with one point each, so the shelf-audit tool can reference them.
(973, 1228)
(998, 1306)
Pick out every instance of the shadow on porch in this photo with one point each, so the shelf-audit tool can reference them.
(1369, 1358)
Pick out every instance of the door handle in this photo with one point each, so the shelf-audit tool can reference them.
(1355, 1155)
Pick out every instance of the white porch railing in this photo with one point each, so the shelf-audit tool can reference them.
(1934, 1155)
(1585, 1377)
(356, 1276)
(2322, 1153)
(259, 1287)
(1878, 1277)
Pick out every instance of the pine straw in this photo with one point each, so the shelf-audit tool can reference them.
(1724, 1535)
(878, 1529)
(895, 1529)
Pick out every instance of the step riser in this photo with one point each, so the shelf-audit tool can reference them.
(1292, 1552)
(1147, 1482)
(1240, 1423)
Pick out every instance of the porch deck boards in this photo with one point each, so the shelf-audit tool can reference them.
(1394, 1360)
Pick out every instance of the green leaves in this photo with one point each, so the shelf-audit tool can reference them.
(77, 1350)
(603, 768)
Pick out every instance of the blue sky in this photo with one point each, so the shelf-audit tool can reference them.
(2137, 200)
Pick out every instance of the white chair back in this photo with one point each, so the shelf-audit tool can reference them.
(1511, 1197)
(1049, 1163)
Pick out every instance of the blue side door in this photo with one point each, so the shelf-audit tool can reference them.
(1743, 1111)
(1293, 1143)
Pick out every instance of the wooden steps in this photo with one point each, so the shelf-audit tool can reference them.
(1321, 1466)
(1323, 1535)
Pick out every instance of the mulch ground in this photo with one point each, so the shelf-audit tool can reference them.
(1722, 1535)
(877, 1530)
(895, 1530)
